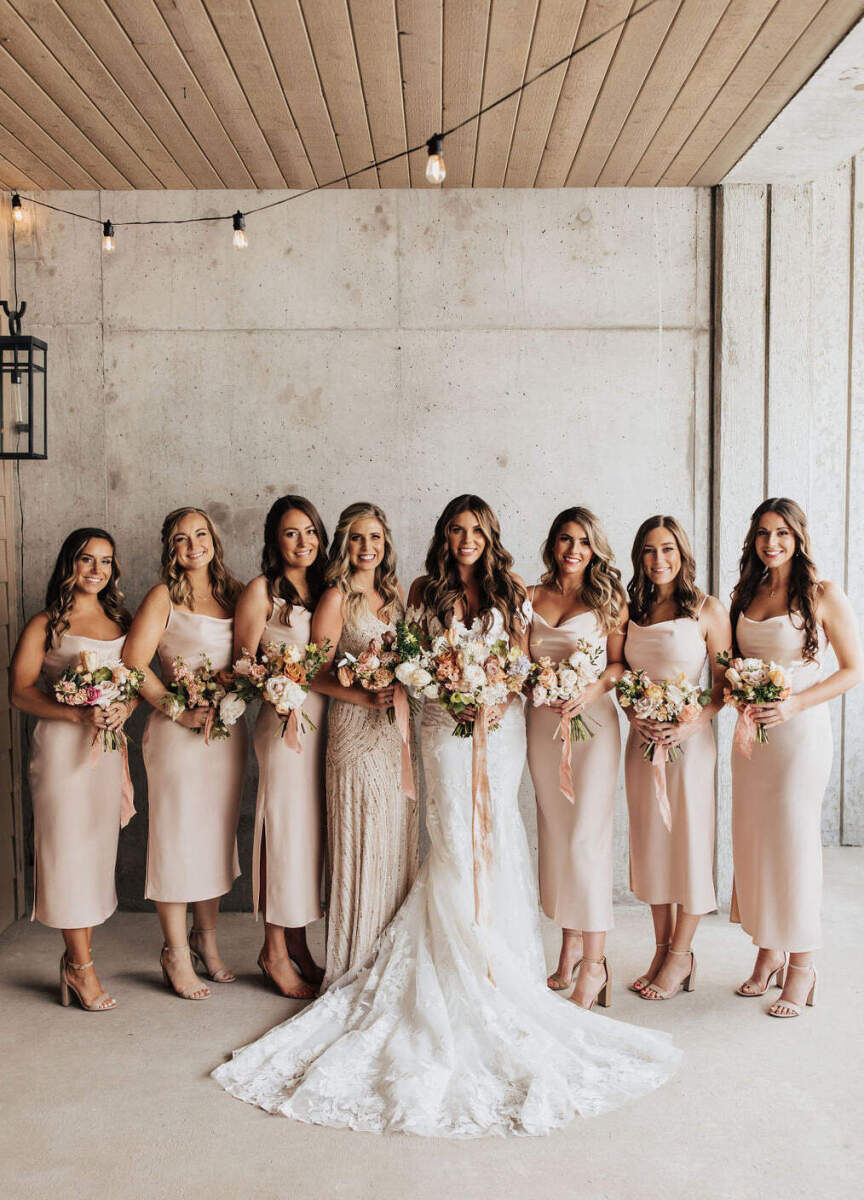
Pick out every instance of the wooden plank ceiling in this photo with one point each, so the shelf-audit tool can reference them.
(290, 93)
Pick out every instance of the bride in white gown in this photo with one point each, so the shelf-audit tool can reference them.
(420, 1038)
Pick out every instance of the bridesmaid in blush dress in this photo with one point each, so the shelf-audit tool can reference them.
(783, 613)
(372, 826)
(81, 795)
(277, 607)
(673, 628)
(193, 788)
(579, 597)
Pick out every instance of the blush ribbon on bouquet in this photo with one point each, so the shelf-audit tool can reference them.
(565, 775)
(402, 713)
(481, 815)
(745, 733)
(291, 732)
(127, 793)
(658, 772)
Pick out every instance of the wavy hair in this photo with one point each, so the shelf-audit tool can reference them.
(340, 575)
(60, 593)
(272, 565)
(640, 589)
(803, 578)
(443, 588)
(225, 588)
(602, 589)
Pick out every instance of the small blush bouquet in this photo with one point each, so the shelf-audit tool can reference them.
(91, 684)
(280, 675)
(374, 669)
(204, 688)
(752, 681)
(566, 681)
(471, 672)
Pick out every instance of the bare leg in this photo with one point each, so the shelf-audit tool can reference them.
(205, 914)
(663, 916)
(175, 956)
(677, 965)
(571, 952)
(78, 942)
(799, 980)
(767, 961)
(274, 957)
(592, 975)
(298, 948)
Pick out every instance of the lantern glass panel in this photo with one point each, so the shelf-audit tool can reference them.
(23, 386)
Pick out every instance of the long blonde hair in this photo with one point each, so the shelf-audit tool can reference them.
(340, 575)
(225, 588)
(602, 589)
(443, 588)
(640, 588)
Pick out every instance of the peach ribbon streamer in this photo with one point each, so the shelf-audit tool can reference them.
(658, 771)
(403, 721)
(481, 812)
(291, 731)
(565, 776)
(127, 792)
(208, 724)
(745, 733)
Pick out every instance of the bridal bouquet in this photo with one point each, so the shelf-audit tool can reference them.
(204, 688)
(567, 681)
(470, 672)
(89, 684)
(281, 675)
(752, 681)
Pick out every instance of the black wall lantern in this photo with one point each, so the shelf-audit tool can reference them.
(23, 391)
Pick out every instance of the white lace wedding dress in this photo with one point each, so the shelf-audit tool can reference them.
(420, 1039)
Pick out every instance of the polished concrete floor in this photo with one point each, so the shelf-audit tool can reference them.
(119, 1106)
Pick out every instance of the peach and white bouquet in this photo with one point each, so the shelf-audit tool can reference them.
(280, 675)
(204, 688)
(91, 684)
(675, 701)
(567, 680)
(470, 672)
(752, 681)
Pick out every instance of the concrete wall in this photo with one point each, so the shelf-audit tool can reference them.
(541, 347)
(789, 408)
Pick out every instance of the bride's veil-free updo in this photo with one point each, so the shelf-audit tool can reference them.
(340, 575)
(442, 589)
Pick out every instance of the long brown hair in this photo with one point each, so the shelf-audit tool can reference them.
(273, 567)
(60, 593)
(803, 578)
(225, 588)
(340, 575)
(602, 589)
(640, 589)
(443, 588)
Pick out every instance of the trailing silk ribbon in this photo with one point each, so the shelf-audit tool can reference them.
(127, 793)
(565, 777)
(291, 731)
(481, 813)
(208, 724)
(745, 733)
(658, 771)
(403, 722)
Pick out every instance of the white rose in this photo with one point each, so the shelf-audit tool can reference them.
(293, 653)
(539, 695)
(420, 679)
(292, 698)
(642, 707)
(405, 673)
(568, 681)
(674, 696)
(109, 692)
(473, 677)
(274, 687)
(431, 692)
(231, 708)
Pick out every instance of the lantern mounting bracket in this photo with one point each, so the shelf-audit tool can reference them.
(14, 317)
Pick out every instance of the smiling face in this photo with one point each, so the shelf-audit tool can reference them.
(192, 543)
(298, 540)
(572, 550)
(93, 566)
(661, 557)
(366, 544)
(775, 542)
(466, 539)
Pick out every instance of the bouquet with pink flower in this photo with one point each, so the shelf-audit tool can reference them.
(752, 681)
(92, 684)
(204, 688)
(567, 681)
(281, 675)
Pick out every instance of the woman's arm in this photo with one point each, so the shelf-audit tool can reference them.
(140, 647)
(25, 668)
(250, 616)
(837, 618)
(327, 623)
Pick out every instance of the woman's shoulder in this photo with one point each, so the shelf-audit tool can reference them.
(712, 608)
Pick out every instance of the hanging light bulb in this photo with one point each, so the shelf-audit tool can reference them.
(241, 241)
(436, 172)
(108, 237)
(17, 209)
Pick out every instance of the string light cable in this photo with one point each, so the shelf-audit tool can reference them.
(436, 170)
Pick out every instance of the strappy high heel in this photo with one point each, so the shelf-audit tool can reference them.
(183, 993)
(68, 989)
(643, 981)
(796, 1008)
(222, 974)
(604, 995)
(265, 971)
(688, 983)
(775, 979)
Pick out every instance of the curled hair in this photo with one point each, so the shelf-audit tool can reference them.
(272, 565)
(340, 575)
(803, 577)
(640, 589)
(60, 594)
(225, 588)
(602, 589)
(499, 589)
